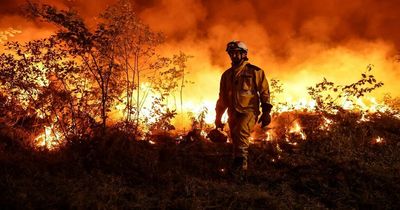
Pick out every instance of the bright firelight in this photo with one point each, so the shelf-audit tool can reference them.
(296, 129)
(378, 140)
(49, 139)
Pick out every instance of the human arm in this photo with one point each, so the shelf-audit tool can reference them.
(263, 90)
(221, 105)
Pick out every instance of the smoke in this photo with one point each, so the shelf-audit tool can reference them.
(330, 22)
(297, 41)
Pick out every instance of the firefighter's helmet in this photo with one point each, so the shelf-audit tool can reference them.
(236, 45)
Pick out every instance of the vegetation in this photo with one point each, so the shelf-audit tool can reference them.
(342, 168)
(328, 157)
(71, 81)
(350, 162)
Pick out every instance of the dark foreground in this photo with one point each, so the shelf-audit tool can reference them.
(340, 169)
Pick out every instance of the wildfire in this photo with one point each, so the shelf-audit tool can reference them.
(296, 129)
(198, 100)
(326, 124)
(291, 105)
(49, 139)
(251, 140)
(269, 136)
(378, 140)
(364, 118)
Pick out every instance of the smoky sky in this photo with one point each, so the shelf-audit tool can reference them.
(331, 22)
(299, 41)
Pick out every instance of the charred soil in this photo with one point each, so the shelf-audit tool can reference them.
(340, 169)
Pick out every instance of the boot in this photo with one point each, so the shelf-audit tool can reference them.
(239, 168)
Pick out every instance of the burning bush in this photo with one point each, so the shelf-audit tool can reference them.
(69, 83)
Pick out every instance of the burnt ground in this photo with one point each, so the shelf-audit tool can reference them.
(339, 169)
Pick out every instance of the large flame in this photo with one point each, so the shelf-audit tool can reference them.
(298, 43)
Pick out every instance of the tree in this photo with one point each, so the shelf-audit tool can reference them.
(96, 51)
(171, 76)
(180, 61)
(135, 53)
(73, 78)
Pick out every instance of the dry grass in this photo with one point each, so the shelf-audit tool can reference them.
(336, 169)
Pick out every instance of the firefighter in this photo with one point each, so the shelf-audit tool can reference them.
(243, 88)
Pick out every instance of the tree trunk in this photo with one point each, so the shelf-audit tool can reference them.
(103, 110)
(138, 91)
(128, 95)
(181, 92)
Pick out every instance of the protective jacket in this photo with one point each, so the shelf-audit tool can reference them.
(242, 89)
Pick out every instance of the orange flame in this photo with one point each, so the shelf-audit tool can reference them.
(296, 129)
(378, 140)
(326, 124)
(50, 139)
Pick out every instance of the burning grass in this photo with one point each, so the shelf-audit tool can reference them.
(353, 164)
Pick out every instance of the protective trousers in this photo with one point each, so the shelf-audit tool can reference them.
(241, 126)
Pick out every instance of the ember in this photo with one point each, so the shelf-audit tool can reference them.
(378, 140)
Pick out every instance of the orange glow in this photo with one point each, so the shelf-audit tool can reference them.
(296, 129)
(269, 136)
(379, 140)
(50, 139)
(326, 124)
(8, 33)
(364, 118)
(314, 40)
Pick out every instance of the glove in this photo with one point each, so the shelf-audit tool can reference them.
(218, 123)
(265, 118)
